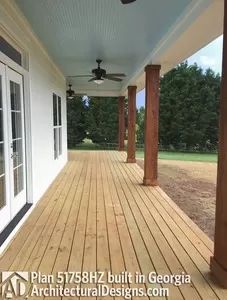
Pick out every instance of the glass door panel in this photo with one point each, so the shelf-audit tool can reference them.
(17, 146)
(17, 139)
(5, 206)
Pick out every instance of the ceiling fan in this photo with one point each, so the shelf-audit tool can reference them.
(127, 1)
(70, 93)
(99, 75)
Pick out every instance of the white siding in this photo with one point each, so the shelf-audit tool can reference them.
(45, 79)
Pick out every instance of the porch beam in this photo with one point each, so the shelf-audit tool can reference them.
(131, 149)
(152, 74)
(121, 123)
(219, 260)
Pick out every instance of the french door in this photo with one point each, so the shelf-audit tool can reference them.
(12, 145)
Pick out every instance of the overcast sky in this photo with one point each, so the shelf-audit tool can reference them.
(208, 57)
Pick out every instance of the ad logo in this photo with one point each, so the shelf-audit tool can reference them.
(14, 285)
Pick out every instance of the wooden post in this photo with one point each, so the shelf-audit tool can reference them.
(151, 125)
(121, 126)
(219, 260)
(131, 152)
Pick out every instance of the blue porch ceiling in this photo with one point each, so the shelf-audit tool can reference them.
(76, 32)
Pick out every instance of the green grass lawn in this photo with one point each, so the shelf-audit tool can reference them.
(167, 155)
(206, 157)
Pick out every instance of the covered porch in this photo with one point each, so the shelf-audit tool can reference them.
(102, 213)
(97, 216)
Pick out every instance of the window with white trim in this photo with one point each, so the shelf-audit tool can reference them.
(10, 51)
(57, 119)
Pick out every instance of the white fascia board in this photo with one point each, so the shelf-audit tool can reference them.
(201, 23)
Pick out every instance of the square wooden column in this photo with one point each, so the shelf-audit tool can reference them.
(131, 151)
(121, 125)
(219, 260)
(152, 73)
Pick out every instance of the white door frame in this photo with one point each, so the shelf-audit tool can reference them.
(27, 121)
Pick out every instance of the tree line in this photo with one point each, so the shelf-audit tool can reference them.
(95, 118)
(189, 105)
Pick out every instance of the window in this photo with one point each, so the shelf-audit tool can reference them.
(57, 119)
(10, 51)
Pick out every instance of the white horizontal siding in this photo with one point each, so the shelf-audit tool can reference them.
(45, 79)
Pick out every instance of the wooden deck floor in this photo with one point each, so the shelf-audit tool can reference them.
(97, 216)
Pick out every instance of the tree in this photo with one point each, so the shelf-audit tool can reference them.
(189, 100)
(140, 124)
(76, 125)
(189, 107)
(102, 120)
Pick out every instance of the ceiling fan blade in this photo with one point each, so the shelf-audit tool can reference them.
(80, 76)
(92, 79)
(127, 1)
(116, 74)
(113, 78)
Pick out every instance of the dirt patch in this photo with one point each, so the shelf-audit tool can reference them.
(192, 186)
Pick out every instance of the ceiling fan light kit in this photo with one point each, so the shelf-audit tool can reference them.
(99, 81)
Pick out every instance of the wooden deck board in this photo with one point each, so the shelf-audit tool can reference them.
(97, 216)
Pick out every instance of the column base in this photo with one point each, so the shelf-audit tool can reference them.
(150, 182)
(131, 160)
(219, 273)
